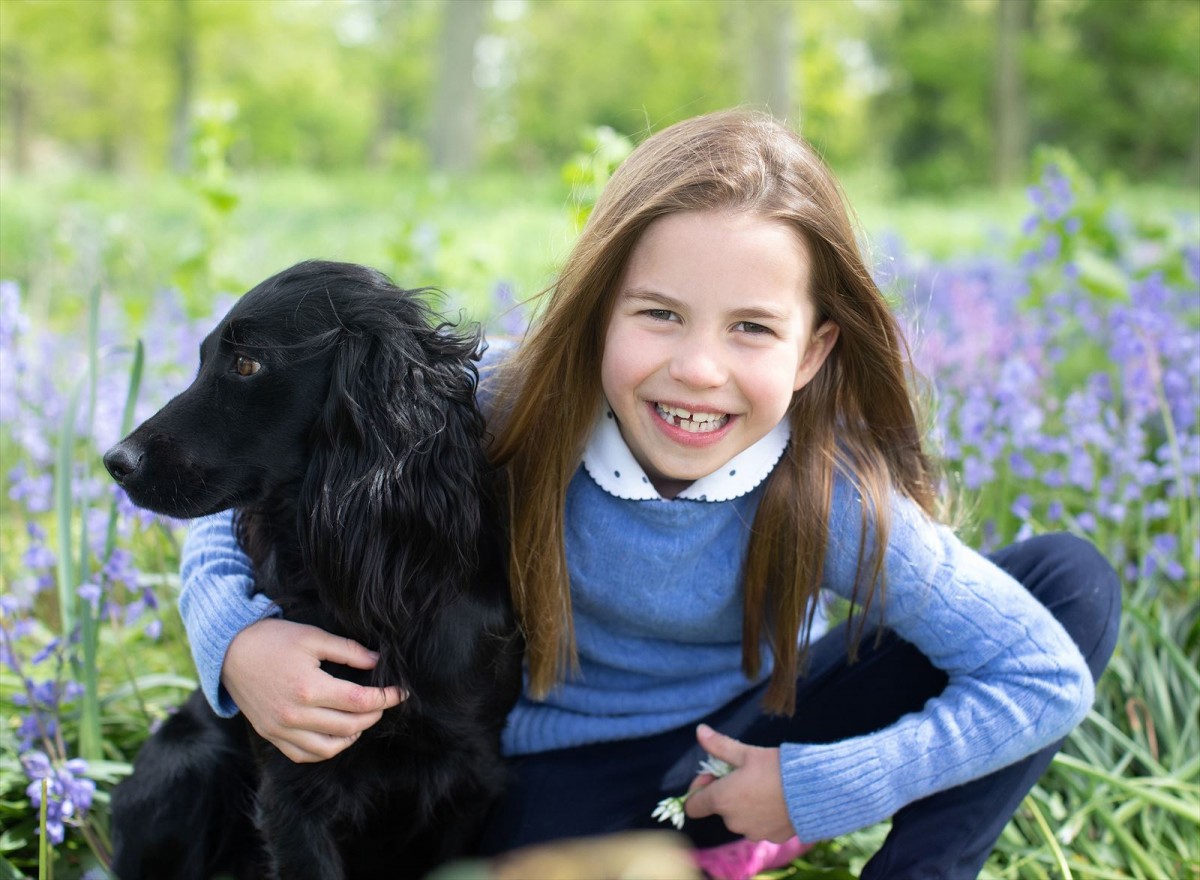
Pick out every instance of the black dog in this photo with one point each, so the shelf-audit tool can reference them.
(339, 420)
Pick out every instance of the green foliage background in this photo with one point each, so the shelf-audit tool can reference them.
(309, 127)
(905, 85)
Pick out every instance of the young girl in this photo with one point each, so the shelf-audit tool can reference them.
(708, 433)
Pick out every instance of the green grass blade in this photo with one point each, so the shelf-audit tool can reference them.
(63, 509)
(1048, 836)
(1180, 808)
(131, 396)
(91, 745)
(1140, 860)
(44, 839)
(1185, 666)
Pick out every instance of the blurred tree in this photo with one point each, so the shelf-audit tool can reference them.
(15, 96)
(947, 93)
(454, 130)
(1013, 21)
(303, 98)
(769, 76)
(631, 66)
(1115, 81)
(81, 73)
(1118, 84)
(936, 106)
(836, 77)
(184, 52)
(388, 46)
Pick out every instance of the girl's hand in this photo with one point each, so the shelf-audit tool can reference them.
(273, 672)
(750, 797)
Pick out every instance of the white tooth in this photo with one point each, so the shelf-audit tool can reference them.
(693, 422)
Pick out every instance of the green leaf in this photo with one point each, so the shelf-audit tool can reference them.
(1101, 276)
(8, 871)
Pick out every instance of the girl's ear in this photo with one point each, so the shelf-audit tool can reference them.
(820, 344)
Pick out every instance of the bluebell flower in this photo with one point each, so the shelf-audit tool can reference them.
(39, 556)
(90, 593)
(45, 652)
(1022, 507)
(68, 792)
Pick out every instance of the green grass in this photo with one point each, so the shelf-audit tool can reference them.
(463, 234)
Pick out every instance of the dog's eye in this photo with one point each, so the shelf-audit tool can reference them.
(246, 366)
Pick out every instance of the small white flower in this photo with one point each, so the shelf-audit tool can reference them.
(671, 809)
(715, 767)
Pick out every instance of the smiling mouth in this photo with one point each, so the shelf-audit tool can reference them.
(692, 422)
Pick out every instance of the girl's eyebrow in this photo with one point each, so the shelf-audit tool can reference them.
(754, 314)
(757, 315)
(643, 294)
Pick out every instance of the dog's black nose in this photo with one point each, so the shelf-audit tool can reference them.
(123, 460)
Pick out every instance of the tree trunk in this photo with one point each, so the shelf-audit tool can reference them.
(452, 142)
(183, 56)
(1013, 20)
(391, 20)
(16, 102)
(769, 55)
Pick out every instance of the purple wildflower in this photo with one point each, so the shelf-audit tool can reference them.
(68, 792)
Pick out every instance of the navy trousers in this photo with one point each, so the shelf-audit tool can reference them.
(610, 787)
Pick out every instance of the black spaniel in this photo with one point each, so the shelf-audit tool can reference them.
(337, 416)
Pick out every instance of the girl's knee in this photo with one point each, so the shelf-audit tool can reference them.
(1081, 588)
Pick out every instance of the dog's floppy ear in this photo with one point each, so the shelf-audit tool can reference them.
(392, 495)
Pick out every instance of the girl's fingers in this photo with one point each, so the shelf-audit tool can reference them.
(273, 672)
(329, 723)
(338, 649)
(355, 699)
(306, 747)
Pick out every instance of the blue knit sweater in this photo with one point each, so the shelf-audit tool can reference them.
(656, 594)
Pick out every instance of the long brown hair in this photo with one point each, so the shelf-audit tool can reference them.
(855, 416)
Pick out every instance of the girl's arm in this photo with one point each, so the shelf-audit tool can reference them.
(247, 658)
(217, 600)
(1017, 681)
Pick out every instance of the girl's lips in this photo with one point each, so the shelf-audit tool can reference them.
(669, 423)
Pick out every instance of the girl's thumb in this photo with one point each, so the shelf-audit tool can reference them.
(720, 746)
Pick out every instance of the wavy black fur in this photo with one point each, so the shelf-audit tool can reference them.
(354, 458)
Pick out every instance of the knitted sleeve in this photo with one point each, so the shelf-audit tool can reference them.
(217, 601)
(1017, 682)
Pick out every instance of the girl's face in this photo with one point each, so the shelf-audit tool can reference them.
(712, 331)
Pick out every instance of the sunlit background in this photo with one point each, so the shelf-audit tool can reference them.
(1026, 174)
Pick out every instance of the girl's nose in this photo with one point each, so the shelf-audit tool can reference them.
(697, 366)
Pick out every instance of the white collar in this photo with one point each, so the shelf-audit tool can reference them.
(612, 466)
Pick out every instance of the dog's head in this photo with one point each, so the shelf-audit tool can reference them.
(324, 369)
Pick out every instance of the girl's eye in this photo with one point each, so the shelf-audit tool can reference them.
(246, 366)
(660, 314)
(751, 327)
